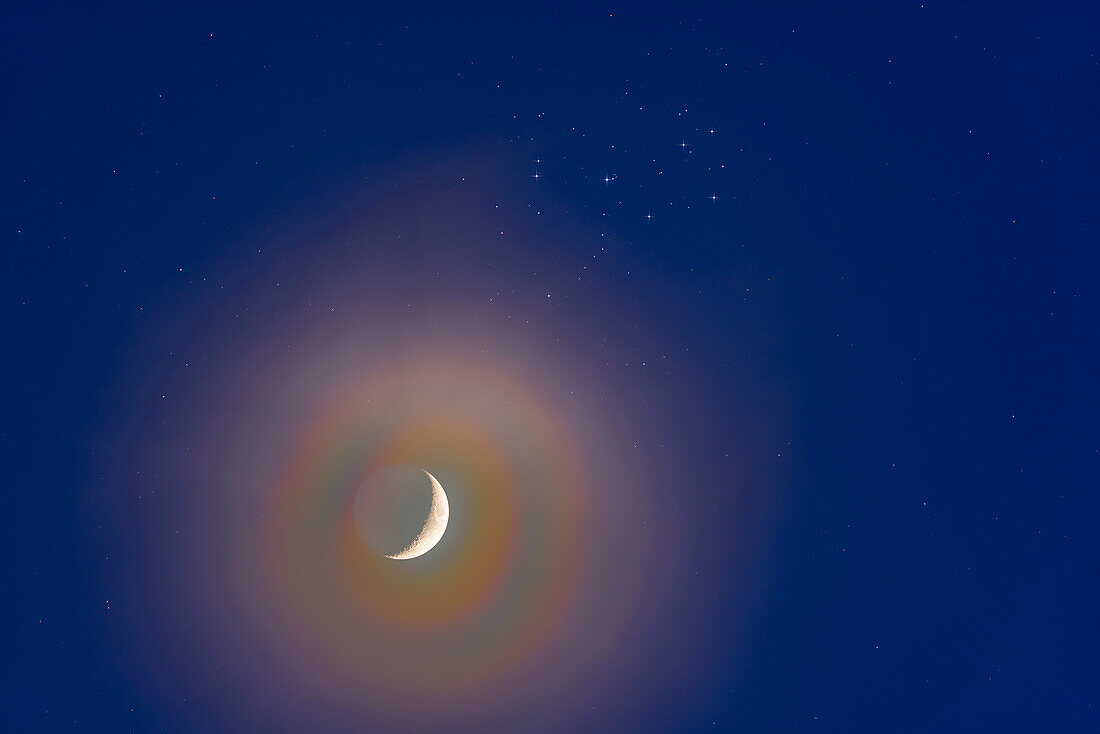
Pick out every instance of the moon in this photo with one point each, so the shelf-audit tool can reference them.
(401, 512)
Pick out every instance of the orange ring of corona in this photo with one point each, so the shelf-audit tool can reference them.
(500, 582)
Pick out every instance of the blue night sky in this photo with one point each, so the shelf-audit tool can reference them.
(755, 344)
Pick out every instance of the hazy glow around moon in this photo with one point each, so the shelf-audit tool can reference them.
(401, 511)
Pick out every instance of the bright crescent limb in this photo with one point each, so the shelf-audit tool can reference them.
(434, 526)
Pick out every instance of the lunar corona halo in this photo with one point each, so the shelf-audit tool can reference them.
(503, 584)
(510, 571)
(521, 604)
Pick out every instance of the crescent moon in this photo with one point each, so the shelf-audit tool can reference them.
(434, 526)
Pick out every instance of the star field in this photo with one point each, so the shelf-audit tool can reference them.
(761, 344)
